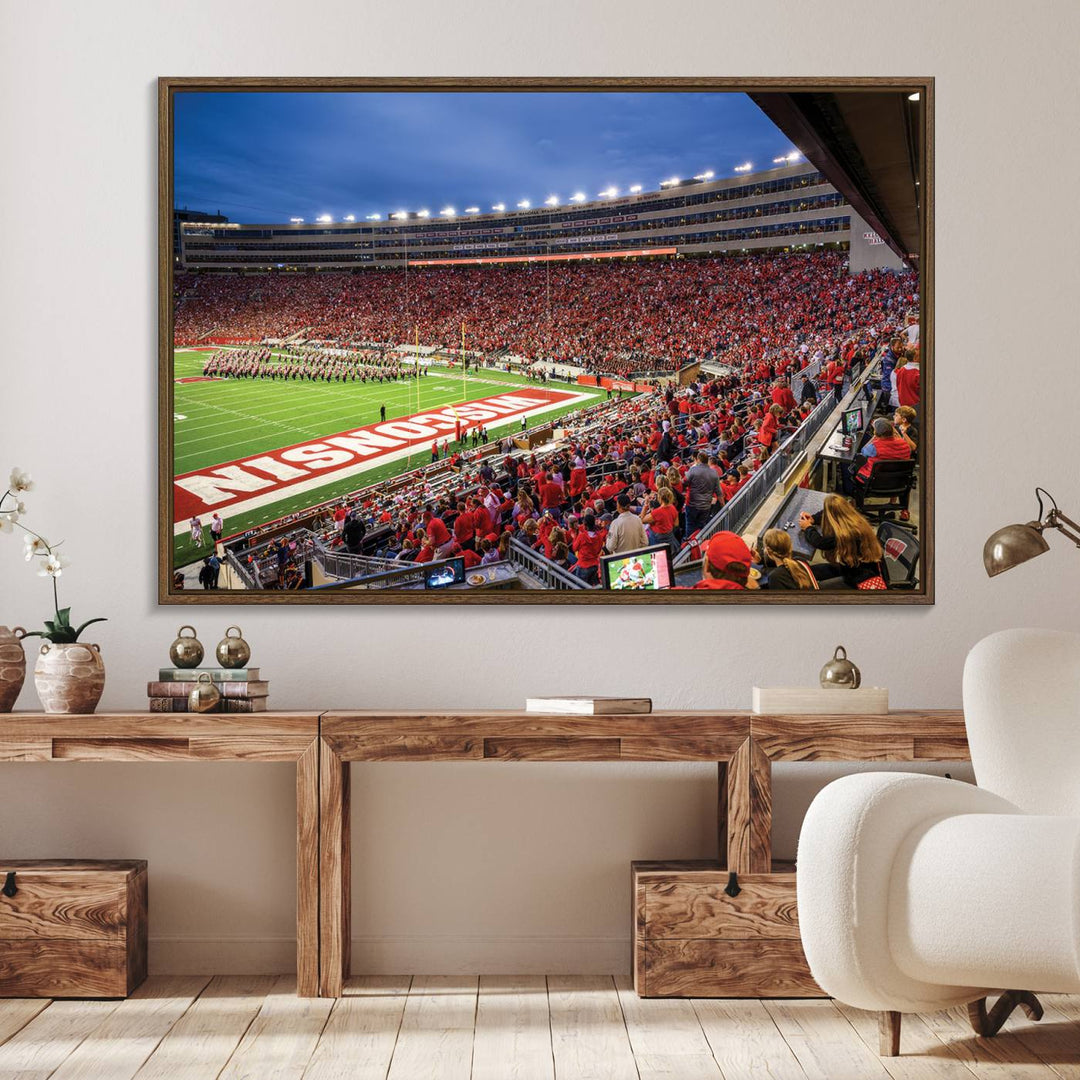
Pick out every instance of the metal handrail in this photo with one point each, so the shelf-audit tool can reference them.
(734, 514)
(550, 573)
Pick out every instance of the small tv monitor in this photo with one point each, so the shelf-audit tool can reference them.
(853, 421)
(441, 575)
(645, 568)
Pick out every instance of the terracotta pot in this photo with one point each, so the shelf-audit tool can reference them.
(69, 678)
(12, 666)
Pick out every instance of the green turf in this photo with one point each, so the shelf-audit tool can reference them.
(232, 419)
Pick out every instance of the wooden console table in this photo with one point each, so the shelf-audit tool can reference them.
(323, 745)
(260, 737)
(742, 744)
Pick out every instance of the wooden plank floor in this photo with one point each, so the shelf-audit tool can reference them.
(524, 1027)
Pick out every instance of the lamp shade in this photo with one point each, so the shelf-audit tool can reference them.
(1012, 545)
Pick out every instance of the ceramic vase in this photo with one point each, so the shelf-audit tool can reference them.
(12, 666)
(69, 678)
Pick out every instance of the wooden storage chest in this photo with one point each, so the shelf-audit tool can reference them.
(693, 939)
(71, 928)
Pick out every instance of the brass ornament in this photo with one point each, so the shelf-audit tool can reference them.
(186, 652)
(233, 652)
(840, 673)
(204, 695)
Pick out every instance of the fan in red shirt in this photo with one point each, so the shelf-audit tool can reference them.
(782, 396)
(464, 528)
(908, 385)
(726, 564)
(587, 545)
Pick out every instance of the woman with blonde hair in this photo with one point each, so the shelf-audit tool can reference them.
(848, 542)
(791, 572)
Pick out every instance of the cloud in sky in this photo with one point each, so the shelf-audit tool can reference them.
(269, 156)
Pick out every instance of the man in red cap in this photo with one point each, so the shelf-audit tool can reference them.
(726, 564)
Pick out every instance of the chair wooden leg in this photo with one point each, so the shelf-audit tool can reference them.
(889, 1033)
(988, 1024)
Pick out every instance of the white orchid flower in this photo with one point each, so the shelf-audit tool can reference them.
(34, 545)
(6, 522)
(53, 566)
(20, 481)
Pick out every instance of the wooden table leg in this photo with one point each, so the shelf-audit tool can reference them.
(307, 872)
(722, 813)
(334, 872)
(749, 810)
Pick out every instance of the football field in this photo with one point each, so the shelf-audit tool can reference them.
(221, 426)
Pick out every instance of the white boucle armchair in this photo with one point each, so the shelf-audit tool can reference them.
(918, 893)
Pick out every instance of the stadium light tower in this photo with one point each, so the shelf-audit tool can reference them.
(448, 211)
(578, 196)
(374, 217)
(746, 166)
(670, 182)
(524, 204)
(552, 200)
(297, 220)
(635, 189)
(349, 217)
(324, 219)
(401, 215)
(499, 207)
(472, 209)
(423, 213)
(708, 174)
(609, 193)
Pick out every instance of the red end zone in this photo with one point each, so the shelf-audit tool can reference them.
(264, 478)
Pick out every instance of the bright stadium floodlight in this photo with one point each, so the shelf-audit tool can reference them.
(609, 193)
(349, 217)
(707, 175)
(793, 156)
(423, 213)
(324, 219)
(374, 217)
(448, 211)
(524, 204)
(472, 209)
(746, 166)
(552, 200)
(401, 215)
(635, 189)
(499, 207)
(297, 220)
(670, 183)
(578, 196)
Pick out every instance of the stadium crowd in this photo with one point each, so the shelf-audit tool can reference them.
(651, 469)
(619, 317)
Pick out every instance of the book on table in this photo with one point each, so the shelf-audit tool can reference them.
(225, 689)
(225, 705)
(217, 674)
(588, 706)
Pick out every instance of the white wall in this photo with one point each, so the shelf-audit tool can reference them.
(493, 866)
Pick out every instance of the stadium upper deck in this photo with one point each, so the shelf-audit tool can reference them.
(785, 207)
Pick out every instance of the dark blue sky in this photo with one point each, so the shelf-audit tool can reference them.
(267, 157)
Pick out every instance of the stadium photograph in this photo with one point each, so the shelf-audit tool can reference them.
(545, 343)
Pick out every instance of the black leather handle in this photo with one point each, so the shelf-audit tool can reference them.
(9, 884)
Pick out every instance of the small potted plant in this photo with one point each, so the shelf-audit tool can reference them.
(69, 674)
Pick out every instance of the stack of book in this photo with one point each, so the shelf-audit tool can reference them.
(241, 689)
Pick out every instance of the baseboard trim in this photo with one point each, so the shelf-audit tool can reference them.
(430, 954)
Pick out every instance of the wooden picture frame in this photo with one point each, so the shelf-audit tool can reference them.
(922, 153)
